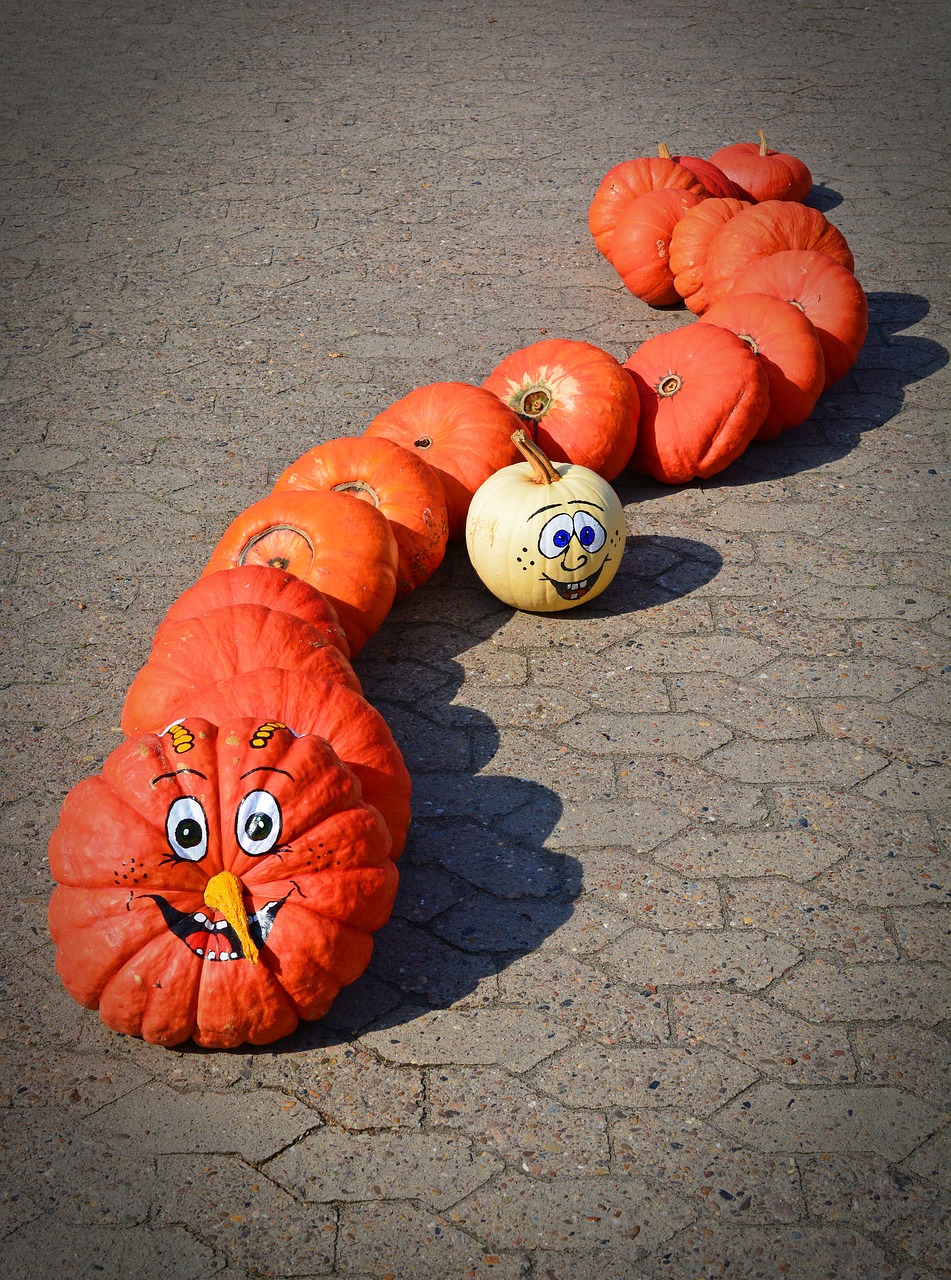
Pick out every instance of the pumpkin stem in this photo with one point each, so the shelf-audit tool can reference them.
(763, 150)
(223, 893)
(359, 489)
(542, 470)
(663, 151)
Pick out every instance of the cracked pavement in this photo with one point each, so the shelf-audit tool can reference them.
(665, 992)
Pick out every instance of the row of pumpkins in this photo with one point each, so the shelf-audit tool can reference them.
(222, 877)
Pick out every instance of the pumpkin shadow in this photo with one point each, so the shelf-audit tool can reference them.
(869, 395)
(823, 198)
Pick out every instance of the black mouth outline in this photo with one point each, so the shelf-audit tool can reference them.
(185, 924)
(571, 590)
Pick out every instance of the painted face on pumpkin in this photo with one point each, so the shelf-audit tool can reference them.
(573, 540)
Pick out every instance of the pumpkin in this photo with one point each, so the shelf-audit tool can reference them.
(760, 173)
(545, 537)
(624, 183)
(217, 883)
(762, 230)
(463, 432)
(704, 396)
(575, 400)
(788, 349)
(311, 704)
(397, 481)
(340, 545)
(640, 246)
(187, 654)
(263, 585)
(823, 290)
(689, 242)
(713, 180)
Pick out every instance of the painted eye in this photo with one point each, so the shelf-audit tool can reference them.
(556, 535)
(187, 829)
(591, 533)
(258, 824)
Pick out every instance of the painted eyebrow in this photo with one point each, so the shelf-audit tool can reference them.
(175, 773)
(266, 768)
(572, 502)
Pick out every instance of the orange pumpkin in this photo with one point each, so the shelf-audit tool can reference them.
(764, 229)
(395, 480)
(263, 585)
(762, 174)
(823, 290)
(575, 399)
(713, 180)
(786, 344)
(463, 432)
(703, 398)
(640, 245)
(188, 654)
(689, 242)
(624, 183)
(218, 883)
(340, 545)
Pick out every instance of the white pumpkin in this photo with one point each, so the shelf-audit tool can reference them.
(545, 536)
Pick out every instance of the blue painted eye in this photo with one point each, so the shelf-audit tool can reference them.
(591, 533)
(556, 535)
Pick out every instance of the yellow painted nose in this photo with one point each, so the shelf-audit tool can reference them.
(223, 893)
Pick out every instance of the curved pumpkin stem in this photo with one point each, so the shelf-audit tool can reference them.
(763, 149)
(542, 470)
(223, 893)
(664, 151)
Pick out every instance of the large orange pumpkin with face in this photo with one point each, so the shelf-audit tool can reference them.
(575, 400)
(217, 883)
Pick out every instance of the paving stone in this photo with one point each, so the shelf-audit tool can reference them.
(819, 677)
(931, 1161)
(926, 1236)
(505, 1116)
(712, 851)
(513, 1038)
(882, 991)
(764, 1037)
(583, 998)
(807, 919)
(633, 1076)
(784, 628)
(763, 762)
(735, 958)
(590, 926)
(730, 655)
(623, 1215)
(333, 1165)
(856, 822)
(862, 1190)
(720, 1178)
(883, 879)
(79, 1083)
(108, 1252)
(750, 708)
(242, 1214)
(919, 645)
(403, 1240)
(500, 866)
(929, 700)
(839, 1118)
(565, 1265)
(757, 1253)
(604, 733)
(527, 706)
(907, 1056)
(347, 1086)
(643, 890)
(908, 786)
(859, 601)
(687, 788)
(74, 1174)
(483, 923)
(158, 1120)
(590, 676)
(924, 933)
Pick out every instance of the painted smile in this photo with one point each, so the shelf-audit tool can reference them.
(216, 939)
(577, 589)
